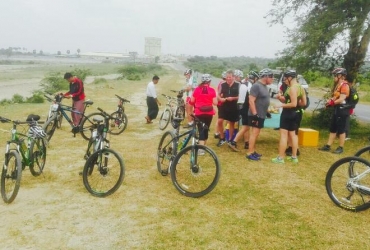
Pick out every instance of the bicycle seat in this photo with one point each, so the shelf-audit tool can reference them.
(32, 118)
(88, 102)
(98, 119)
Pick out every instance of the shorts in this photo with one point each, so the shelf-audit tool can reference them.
(244, 115)
(338, 124)
(290, 119)
(231, 115)
(259, 124)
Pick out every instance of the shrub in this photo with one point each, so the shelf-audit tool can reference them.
(17, 98)
(99, 80)
(37, 97)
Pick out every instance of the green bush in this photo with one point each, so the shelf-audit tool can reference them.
(136, 72)
(17, 98)
(99, 80)
(37, 97)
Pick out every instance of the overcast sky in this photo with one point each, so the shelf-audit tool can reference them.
(192, 27)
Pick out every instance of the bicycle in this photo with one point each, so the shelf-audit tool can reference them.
(104, 169)
(119, 118)
(22, 150)
(202, 174)
(174, 111)
(58, 108)
(348, 183)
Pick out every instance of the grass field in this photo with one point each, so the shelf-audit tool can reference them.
(256, 205)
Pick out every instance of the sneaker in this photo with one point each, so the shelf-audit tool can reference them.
(246, 145)
(347, 138)
(252, 157)
(221, 142)
(291, 159)
(325, 148)
(256, 154)
(201, 152)
(277, 160)
(217, 136)
(339, 150)
(232, 145)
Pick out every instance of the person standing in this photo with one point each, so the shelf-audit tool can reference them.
(243, 106)
(217, 130)
(203, 99)
(259, 101)
(291, 116)
(77, 93)
(191, 84)
(152, 100)
(228, 110)
(340, 115)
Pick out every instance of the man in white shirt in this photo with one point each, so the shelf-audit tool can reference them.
(152, 100)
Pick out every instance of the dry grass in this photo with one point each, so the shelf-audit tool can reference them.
(256, 205)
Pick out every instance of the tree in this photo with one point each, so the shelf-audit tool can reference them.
(328, 33)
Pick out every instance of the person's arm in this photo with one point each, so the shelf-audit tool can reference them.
(252, 105)
(293, 93)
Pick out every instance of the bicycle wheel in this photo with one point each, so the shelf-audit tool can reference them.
(38, 156)
(179, 115)
(364, 153)
(195, 171)
(348, 183)
(49, 127)
(103, 172)
(166, 152)
(118, 124)
(59, 119)
(165, 119)
(87, 123)
(11, 176)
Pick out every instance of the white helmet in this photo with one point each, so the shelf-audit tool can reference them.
(238, 73)
(223, 74)
(36, 131)
(206, 78)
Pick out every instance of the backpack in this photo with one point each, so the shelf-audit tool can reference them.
(307, 99)
(353, 98)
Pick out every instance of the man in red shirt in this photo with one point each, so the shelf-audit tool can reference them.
(76, 92)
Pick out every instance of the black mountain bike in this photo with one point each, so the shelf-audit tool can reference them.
(104, 169)
(58, 109)
(118, 122)
(22, 150)
(195, 169)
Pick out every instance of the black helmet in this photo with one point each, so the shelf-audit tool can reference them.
(290, 73)
(266, 72)
(253, 74)
(188, 71)
(341, 71)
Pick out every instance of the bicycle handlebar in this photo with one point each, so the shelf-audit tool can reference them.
(6, 120)
(122, 99)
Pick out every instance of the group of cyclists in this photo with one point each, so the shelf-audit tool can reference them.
(245, 101)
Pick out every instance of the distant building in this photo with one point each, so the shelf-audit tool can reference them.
(153, 46)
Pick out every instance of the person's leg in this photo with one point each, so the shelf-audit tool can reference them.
(152, 109)
(77, 106)
(231, 130)
(252, 140)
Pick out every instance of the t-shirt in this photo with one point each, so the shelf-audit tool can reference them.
(341, 88)
(260, 91)
(150, 90)
(203, 96)
(192, 82)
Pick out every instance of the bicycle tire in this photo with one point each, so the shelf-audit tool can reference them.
(179, 115)
(49, 127)
(166, 152)
(202, 176)
(11, 177)
(102, 181)
(165, 118)
(38, 156)
(59, 119)
(339, 183)
(364, 153)
(118, 124)
(87, 123)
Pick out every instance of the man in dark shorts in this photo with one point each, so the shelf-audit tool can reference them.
(228, 111)
(259, 101)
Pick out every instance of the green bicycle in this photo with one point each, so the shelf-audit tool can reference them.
(22, 150)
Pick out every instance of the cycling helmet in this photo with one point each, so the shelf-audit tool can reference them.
(188, 71)
(223, 74)
(266, 72)
(36, 131)
(290, 73)
(253, 74)
(206, 78)
(341, 71)
(238, 73)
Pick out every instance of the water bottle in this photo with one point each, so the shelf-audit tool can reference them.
(181, 143)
